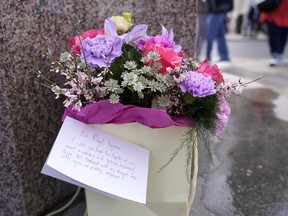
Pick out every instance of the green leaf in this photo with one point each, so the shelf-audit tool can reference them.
(188, 98)
(130, 53)
(117, 68)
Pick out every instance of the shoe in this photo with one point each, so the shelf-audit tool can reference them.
(282, 62)
(274, 62)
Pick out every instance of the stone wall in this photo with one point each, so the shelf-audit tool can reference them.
(29, 114)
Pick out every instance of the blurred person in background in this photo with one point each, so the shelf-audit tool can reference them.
(202, 12)
(251, 25)
(253, 19)
(277, 26)
(216, 27)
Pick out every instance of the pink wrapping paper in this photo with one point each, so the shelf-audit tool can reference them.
(103, 112)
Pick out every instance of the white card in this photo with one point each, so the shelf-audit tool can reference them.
(90, 157)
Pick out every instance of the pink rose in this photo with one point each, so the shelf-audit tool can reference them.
(168, 57)
(75, 42)
(212, 71)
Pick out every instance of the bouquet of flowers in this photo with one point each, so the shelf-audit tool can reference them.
(121, 67)
(121, 74)
(120, 64)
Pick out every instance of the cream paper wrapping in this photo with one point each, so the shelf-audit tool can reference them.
(168, 190)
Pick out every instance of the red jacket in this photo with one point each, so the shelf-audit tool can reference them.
(279, 16)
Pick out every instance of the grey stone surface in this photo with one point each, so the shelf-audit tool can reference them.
(30, 117)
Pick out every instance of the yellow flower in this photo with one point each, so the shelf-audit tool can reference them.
(127, 16)
(123, 22)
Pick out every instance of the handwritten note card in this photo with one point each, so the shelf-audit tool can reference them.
(99, 160)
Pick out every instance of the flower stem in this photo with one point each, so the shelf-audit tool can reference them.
(193, 177)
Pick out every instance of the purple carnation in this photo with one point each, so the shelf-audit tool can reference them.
(198, 85)
(101, 51)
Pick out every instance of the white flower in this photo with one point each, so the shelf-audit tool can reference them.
(169, 81)
(140, 94)
(70, 99)
(226, 89)
(181, 78)
(88, 95)
(56, 90)
(114, 98)
(65, 57)
(156, 86)
(162, 102)
(81, 66)
(101, 91)
(77, 105)
(96, 80)
(128, 79)
(157, 65)
(153, 85)
(153, 55)
(82, 77)
(112, 85)
(136, 71)
(138, 86)
(146, 70)
(130, 65)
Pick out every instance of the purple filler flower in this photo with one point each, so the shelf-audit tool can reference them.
(222, 117)
(101, 51)
(198, 85)
(166, 40)
(137, 33)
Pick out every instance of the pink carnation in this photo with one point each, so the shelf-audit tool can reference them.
(212, 71)
(168, 57)
(76, 41)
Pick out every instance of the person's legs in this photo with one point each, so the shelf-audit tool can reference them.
(283, 39)
(213, 24)
(277, 40)
(273, 38)
(221, 40)
(202, 34)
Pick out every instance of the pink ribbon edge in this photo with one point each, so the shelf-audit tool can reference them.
(104, 112)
